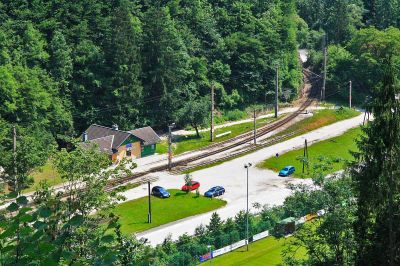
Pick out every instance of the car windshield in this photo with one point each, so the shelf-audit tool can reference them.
(161, 189)
(213, 188)
(286, 169)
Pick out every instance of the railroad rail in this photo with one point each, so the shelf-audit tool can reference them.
(236, 154)
(241, 139)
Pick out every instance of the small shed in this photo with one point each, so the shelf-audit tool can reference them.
(286, 226)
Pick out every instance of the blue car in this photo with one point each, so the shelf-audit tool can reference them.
(160, 192)
(214, 192)
(287, 171)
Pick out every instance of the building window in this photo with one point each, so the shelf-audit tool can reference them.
(129, 150)
(152, 146)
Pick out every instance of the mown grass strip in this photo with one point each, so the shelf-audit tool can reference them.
(267, 251)
(133, 214)
(183, 144)
(337, 150)
(319, 119)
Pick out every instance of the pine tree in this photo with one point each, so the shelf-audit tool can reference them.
(377, 177)
(125, 62)
(166, 65)
(387, 13)
(60, 61)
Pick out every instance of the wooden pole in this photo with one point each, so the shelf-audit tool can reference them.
(255, 127)
(276, 91)
(15, 159)
(212, 114)
(350, 94)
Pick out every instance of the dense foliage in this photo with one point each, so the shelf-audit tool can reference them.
(377, 173)
(67, 64)
(361, 226)
(137, 62)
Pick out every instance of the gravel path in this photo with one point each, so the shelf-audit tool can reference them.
(265, 186)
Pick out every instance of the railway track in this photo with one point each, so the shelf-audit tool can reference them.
(219, 147)
(216, 148)
(238, 153)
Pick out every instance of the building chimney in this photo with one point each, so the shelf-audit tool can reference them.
(115, 127)
(84, 136)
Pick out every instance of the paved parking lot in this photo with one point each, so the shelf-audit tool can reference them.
(265, 186)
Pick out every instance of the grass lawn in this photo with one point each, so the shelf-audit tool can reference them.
(46, 172)
(320, 118)
(267, 251)
(337, 147)
(183, 144)
(133, 214)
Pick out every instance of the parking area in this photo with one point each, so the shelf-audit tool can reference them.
(265, 186)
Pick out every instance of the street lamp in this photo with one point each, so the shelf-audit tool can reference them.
(170, 127)
(149, 213)
(247, 166)
(209, 248)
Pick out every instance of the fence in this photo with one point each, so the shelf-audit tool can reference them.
(241, 243)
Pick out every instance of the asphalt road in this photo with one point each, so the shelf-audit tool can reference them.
(265, 186)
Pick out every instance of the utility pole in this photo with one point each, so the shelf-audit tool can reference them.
(255, 128)
(350, 94)
(170, 145)
(305, 155)
(15, 158)
(276, 91)
(211, 256)
(247, 166)
(149, 214)
(324, 80)
(212, 114)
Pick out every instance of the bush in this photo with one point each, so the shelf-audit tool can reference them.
(235, 115)
(230, 115)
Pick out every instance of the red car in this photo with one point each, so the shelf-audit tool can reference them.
(192, 186)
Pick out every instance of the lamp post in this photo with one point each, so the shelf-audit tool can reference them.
(209, 248)
(149, 213)
(170, 127)
(247, 166)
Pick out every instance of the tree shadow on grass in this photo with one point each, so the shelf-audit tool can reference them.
(185, 138)
(180, 193)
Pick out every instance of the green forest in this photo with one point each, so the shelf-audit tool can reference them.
(65, 65)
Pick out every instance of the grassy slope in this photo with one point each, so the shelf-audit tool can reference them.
(47, 172)
(320, 118)
(191, 142)
(337, 147)
(133, 214)
(263, 252)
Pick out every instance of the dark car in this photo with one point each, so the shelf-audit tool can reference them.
(192, 185)
(287, 171)
(215, 191)
(161, 192)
